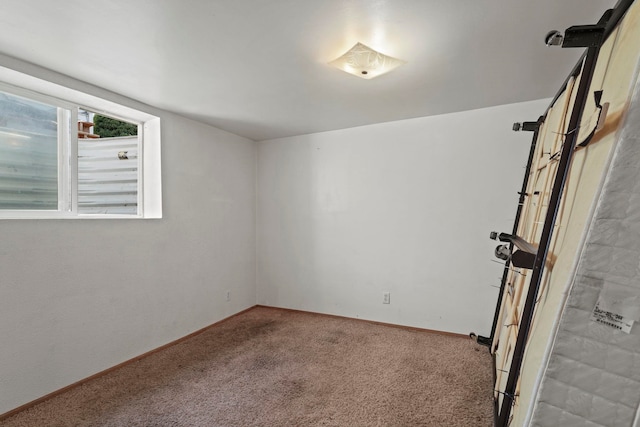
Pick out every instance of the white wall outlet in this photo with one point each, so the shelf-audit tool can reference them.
(386, 297)
(228, 295)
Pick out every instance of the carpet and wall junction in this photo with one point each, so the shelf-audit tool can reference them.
(272, 367)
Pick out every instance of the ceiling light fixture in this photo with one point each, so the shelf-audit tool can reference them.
(362, 61)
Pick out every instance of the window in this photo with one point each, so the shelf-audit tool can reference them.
(75, 157)
(107, 165)
(30, 132)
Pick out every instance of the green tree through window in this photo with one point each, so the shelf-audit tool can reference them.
(107, 127)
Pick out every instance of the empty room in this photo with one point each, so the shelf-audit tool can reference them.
(319, 213)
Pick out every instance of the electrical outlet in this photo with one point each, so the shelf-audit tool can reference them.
(386, 297)
(228, 295)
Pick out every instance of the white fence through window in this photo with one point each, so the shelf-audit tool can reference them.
(108, 175)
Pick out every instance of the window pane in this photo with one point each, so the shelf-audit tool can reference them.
(28, 154)
(107, 165)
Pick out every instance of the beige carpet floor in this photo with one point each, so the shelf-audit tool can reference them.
(271, 367)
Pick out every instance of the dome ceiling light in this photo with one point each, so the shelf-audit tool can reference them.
(362, 61)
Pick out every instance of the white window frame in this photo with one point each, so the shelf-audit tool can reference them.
(149, 147)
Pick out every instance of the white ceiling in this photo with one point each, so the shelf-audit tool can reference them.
(258, 68)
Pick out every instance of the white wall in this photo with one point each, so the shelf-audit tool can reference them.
(404, 207)
(80, 296)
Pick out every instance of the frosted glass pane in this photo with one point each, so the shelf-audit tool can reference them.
(28, 154)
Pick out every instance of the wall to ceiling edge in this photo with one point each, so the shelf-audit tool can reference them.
(404, 207)
(80, 296)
